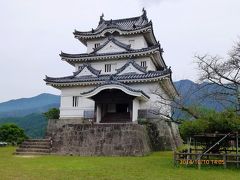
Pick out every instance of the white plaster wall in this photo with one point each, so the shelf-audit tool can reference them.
(91, 43)
(130, 69)
(116, 64)
(76, 66)
(111, 47)
(136, 107)
(99, 114)
(68, 111)
(66, 108)
(85, 72)
(100, 65)
(139, 41)
(153, 102)
(150, 65)
(75, 91)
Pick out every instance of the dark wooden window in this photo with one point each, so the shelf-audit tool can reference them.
(80, 67)
(108, 67)
(143, 63)
(75, 101)
(96, 45)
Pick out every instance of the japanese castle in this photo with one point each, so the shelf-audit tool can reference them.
(115, 80)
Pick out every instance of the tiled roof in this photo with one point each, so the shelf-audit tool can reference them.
(114, 82)
(100, 78)
(140, 68)
(127, 24)
(87, 55)
(115, 41)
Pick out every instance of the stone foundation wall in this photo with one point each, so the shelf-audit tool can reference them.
(169, 134)
(100, 140)
(55, 124)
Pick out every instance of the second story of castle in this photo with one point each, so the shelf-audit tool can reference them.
(117, 47)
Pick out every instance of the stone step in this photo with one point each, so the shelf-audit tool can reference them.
(30, 153)
(34, 147)
(37, 140)
(36, 143)
(33, 150)
(40, 146)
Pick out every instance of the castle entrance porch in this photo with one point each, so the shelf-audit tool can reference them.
(116, 102)
(113, 106)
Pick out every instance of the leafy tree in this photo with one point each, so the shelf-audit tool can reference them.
(52, 113)
(11, 133)
(211, 122)
(34, 125)
(189, 128)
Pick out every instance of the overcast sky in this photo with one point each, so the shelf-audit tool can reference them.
(33, 33)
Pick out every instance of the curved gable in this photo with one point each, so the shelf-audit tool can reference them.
(131, 67)
(116, 85)
(111, 47)
(86, 70)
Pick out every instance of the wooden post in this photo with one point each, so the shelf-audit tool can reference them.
(174, 159)
(237, 149)
(224, 161)
(195, 146)
(189, 148)
(199, 161)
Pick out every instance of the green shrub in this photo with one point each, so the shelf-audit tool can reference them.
(12, 134)
(211, 122)
(52, 113)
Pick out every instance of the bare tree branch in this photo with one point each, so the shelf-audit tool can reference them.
(223, 77)
(224, 73)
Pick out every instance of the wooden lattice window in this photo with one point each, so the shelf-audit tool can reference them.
(143, 63)
(75, 101)
(108, 67)
(96, 45)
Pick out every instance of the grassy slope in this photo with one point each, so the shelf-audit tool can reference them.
(156, 166)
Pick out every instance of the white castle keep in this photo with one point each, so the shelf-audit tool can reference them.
(115, 79)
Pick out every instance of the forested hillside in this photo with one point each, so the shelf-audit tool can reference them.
(27, 113)
(33, 124)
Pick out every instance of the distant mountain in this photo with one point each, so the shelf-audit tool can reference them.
(195, 94)
(27, 113)
(24, 106)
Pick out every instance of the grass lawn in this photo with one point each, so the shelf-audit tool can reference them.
(155, 166)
